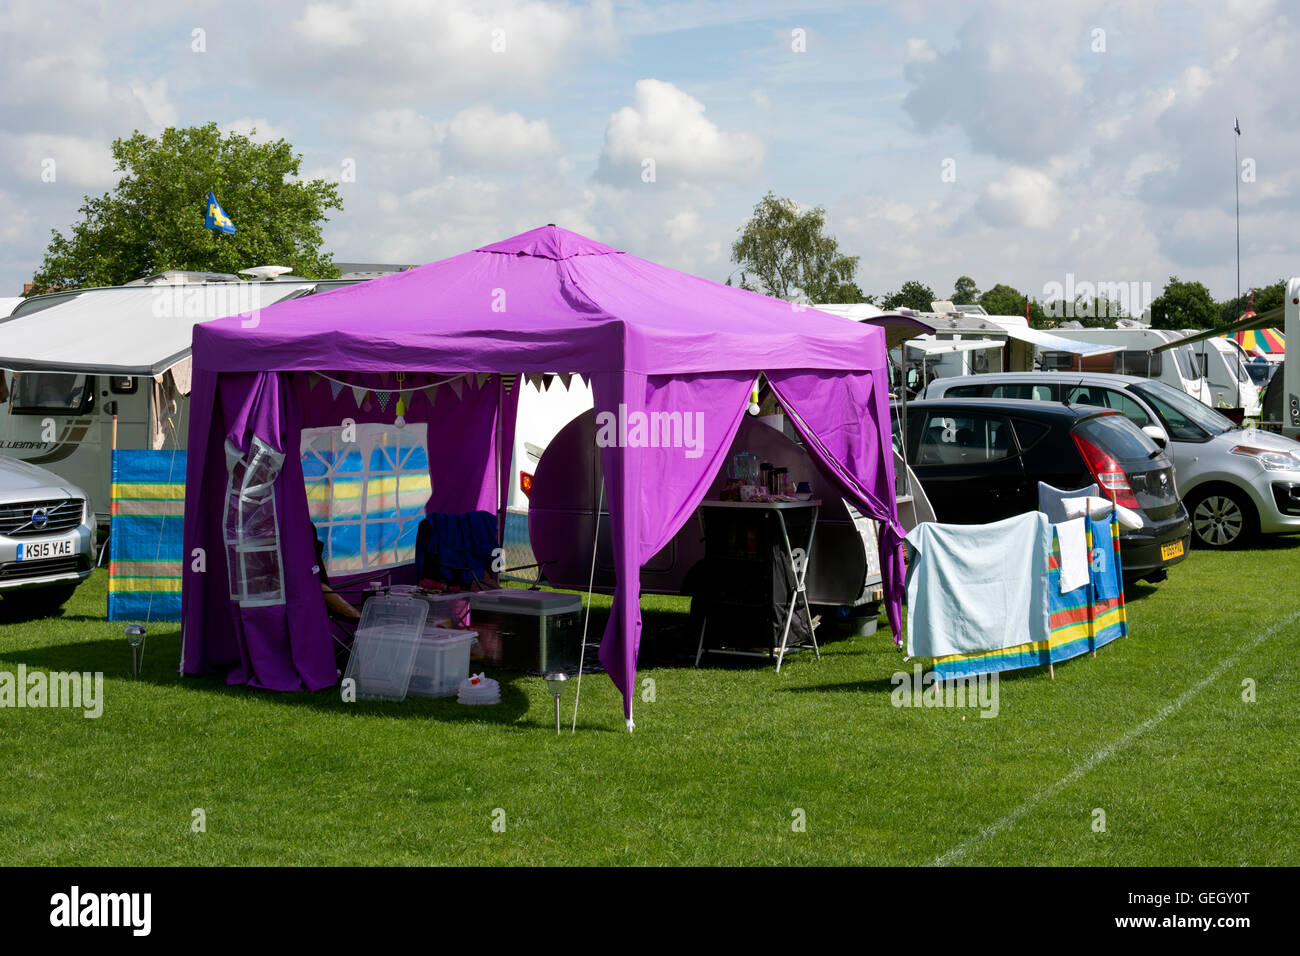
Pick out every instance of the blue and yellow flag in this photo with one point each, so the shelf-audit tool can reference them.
(217, 218)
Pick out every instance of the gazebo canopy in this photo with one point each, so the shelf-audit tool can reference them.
(655, 343)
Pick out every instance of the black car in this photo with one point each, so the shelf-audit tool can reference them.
(980, 460)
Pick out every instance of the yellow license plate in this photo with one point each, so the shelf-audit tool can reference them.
(1172, 550)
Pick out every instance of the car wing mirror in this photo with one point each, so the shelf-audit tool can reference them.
(1156, 434)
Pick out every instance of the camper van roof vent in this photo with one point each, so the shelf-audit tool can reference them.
(183, 277)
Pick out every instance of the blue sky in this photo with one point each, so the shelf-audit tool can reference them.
(1084, 138)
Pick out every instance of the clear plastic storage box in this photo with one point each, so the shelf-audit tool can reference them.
(445, 610)
(385, 648)
(441, 663)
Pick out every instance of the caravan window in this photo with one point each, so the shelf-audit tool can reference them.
(1146, 364)
(367, 485)
(1187, 364)
(43, 393)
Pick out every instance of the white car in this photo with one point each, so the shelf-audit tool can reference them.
(47, 538)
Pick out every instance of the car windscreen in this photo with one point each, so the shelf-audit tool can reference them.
(36, 393)
(1185, 418)
(1118, 436)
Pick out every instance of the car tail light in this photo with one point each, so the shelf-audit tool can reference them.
(1109, 475)
(526, 484)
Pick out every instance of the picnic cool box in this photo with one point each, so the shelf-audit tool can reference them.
(532, 631)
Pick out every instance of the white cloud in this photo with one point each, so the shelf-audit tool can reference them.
(401, 128)
(668, 126)
(72, 159)
(484, 137)
(157, 106)
(1023, 197)
(258, 130)
(363, 50)
(684, 225)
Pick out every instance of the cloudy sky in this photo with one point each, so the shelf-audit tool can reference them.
(1015, 142)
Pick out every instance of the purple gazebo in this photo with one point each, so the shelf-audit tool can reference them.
(654, 342)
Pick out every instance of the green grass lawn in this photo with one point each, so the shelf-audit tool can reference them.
(716, 769)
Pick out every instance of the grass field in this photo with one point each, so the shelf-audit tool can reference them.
(1154, 732)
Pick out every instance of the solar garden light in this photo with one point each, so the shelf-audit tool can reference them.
(555, 681)
(135, 637)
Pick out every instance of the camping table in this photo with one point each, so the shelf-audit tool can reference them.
(778, 508)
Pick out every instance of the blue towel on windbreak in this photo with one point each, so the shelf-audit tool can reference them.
(455, 548)
(977, 587)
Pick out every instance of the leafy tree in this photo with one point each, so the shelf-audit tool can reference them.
(1259, 300)
(153, 219)
(783, 252)
(964, 291)
(1184, 305)
(912, 295)
(1006, 300)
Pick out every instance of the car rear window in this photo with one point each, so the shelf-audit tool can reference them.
(1029, 432)
(1118, 436)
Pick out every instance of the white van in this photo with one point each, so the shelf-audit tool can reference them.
(1178, 366)
(70, 362)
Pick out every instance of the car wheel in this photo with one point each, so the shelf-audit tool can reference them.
(1222, 518)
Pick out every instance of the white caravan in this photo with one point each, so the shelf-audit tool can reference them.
(1152, 353)
(1223, 363)
(85, 367)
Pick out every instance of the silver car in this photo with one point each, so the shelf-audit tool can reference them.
(47, 538)
(1235, 482)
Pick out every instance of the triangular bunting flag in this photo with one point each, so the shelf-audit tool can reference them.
(384, 399)
(483, 377)
(431, 393)
(358, 394)
(509, 382)
(566, 378)
(335, 388)
(312, 380)
(546, 382)
(457, 384)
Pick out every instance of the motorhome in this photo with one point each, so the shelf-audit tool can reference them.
(1151, 353)
(88, 370)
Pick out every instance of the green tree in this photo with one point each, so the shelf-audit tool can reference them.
(1184, 305)
(912, 295)
(783, 252)
(153, 219)
(1260, 299)
(1006, 300)
(964, 291)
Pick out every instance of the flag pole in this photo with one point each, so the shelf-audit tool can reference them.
(1236, 187)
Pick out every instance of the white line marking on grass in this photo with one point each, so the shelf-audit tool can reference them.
(1108, 751)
